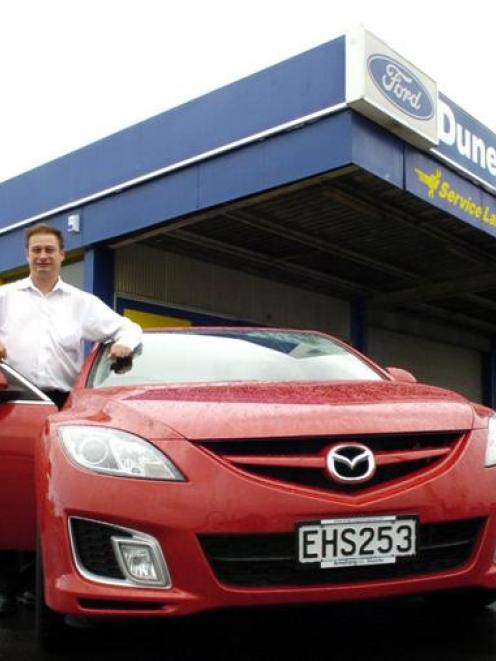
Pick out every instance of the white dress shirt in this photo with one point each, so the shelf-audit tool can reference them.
(44, 334)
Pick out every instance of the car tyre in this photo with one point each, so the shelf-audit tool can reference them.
(50, 628)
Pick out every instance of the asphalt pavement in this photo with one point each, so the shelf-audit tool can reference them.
(383, 631)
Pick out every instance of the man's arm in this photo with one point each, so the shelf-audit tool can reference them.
(118, 350)
(3, 351)
(101, 324)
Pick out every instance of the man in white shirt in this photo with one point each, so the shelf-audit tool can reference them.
(43, 320)
(43, 323)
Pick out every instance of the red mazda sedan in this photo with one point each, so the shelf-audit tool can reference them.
(230, 467)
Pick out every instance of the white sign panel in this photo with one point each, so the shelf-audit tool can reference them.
(385, 87)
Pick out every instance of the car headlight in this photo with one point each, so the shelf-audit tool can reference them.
(491, 442)
(116, 452)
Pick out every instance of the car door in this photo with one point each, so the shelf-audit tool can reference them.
(23, 410)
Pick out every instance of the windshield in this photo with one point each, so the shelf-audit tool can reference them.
(235, 355)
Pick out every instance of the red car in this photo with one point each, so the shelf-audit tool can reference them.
(231, 467)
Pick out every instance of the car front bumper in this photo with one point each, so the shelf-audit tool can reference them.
(221, 516)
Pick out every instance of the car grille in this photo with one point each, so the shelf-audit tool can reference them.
(93, 547)
(269, 559)
(302, 461)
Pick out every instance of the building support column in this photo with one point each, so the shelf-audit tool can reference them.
(489, 376)
(358, 324)
(99, 274)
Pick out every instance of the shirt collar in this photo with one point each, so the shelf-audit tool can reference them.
(27, 283)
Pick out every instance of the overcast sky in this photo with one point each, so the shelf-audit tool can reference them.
(74, 71)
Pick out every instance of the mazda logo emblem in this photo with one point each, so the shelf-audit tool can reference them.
(350, 462)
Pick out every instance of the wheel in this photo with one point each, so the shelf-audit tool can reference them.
(462, 601)
(50, 627)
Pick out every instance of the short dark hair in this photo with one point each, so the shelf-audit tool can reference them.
(43, 228)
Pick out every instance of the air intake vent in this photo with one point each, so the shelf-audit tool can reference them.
(93, 546)
(269, 560)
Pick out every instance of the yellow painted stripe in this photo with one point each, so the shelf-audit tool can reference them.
(150, 320)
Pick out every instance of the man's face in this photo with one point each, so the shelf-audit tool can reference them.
(44, 256)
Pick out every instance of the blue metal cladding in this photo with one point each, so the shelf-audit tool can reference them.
(377, 151)
(305, 152)
(285, 158)
(12, 251)
(286, 91)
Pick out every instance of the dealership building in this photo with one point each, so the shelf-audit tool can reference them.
(339, 190)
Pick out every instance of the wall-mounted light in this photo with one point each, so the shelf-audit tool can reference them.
(74, 223)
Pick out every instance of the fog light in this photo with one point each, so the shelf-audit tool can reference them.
(141, 561)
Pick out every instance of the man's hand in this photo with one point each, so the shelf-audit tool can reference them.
(3, 351)
(121, 358)
(118, 351)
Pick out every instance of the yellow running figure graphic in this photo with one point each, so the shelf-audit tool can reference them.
(430, 180)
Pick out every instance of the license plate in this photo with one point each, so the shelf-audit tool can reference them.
(347, 542)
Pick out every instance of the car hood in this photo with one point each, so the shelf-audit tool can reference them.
(254, 410)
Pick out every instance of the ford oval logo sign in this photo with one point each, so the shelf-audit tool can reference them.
(400, 86)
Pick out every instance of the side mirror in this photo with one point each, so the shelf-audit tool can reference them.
(4, 384)
(401, 375)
